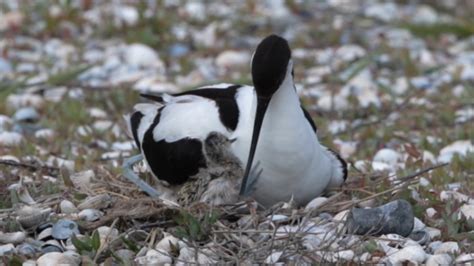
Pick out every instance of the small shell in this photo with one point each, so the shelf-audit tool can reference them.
(100, 201)
(22, 193)
(63, 229)
(51, 246)
(30, 217)
(57, 258)
(13, 238)
(67, 207)
(90, 215)
(420, 236)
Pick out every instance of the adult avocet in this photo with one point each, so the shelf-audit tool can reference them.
(266, 123)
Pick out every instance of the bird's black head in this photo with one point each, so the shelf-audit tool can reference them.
(269, 65)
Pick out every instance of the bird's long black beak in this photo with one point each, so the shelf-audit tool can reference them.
(262, 104)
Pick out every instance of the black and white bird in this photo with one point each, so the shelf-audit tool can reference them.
(266, 122)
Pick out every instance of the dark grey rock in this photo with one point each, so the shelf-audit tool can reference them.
(395, 217)
(63, 229)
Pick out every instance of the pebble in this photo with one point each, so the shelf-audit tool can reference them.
(412, 254)
(166, 242)
(7, 249)
(30, 217)
(57, 258)
(26, 114)
(67, 207)
(140, 55)
(315, 203)
(26, 249)
(433, 232)
(450, 247)
(10, 139)
(341, 216)
(465, 258)
(431, 212)
(12, 238)
(45, 133)
(232, 59)
(460, 147)
(17, 101)
(388, 156)
(393, 217)
(467, 211)
(90, 215)
(439, 259)
(126, 14)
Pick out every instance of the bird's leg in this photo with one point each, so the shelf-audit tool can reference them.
(254, 175)
(134, 178)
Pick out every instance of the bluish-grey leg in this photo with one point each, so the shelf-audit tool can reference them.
(134, 178)
(254, 175)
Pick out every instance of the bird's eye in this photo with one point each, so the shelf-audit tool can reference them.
(293, 73)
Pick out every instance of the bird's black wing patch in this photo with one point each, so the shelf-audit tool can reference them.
(224, 98)
(310, 120)
(175, 161)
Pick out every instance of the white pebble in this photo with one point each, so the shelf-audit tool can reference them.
(45, 133)
(430, 212)
(273, 258)
(140, 55)
(413, 254)
(460, 147)
(418, 225)
(90, 215)
(16, 101)
(126, 14)
(439, 259)
(10, 139)
(389, 156)
(448, 247)
(315, 203)
(433, 232)
(467, 211)
(7, 249)
(341, 216)
(447, 195)
(232, 59)
(57, 258)
(166, 242)
(67, 207)
(464, 258)
(12, 238)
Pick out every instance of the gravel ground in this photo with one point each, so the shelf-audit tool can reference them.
(390, 85)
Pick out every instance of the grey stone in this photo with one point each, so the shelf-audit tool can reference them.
(395, 217)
